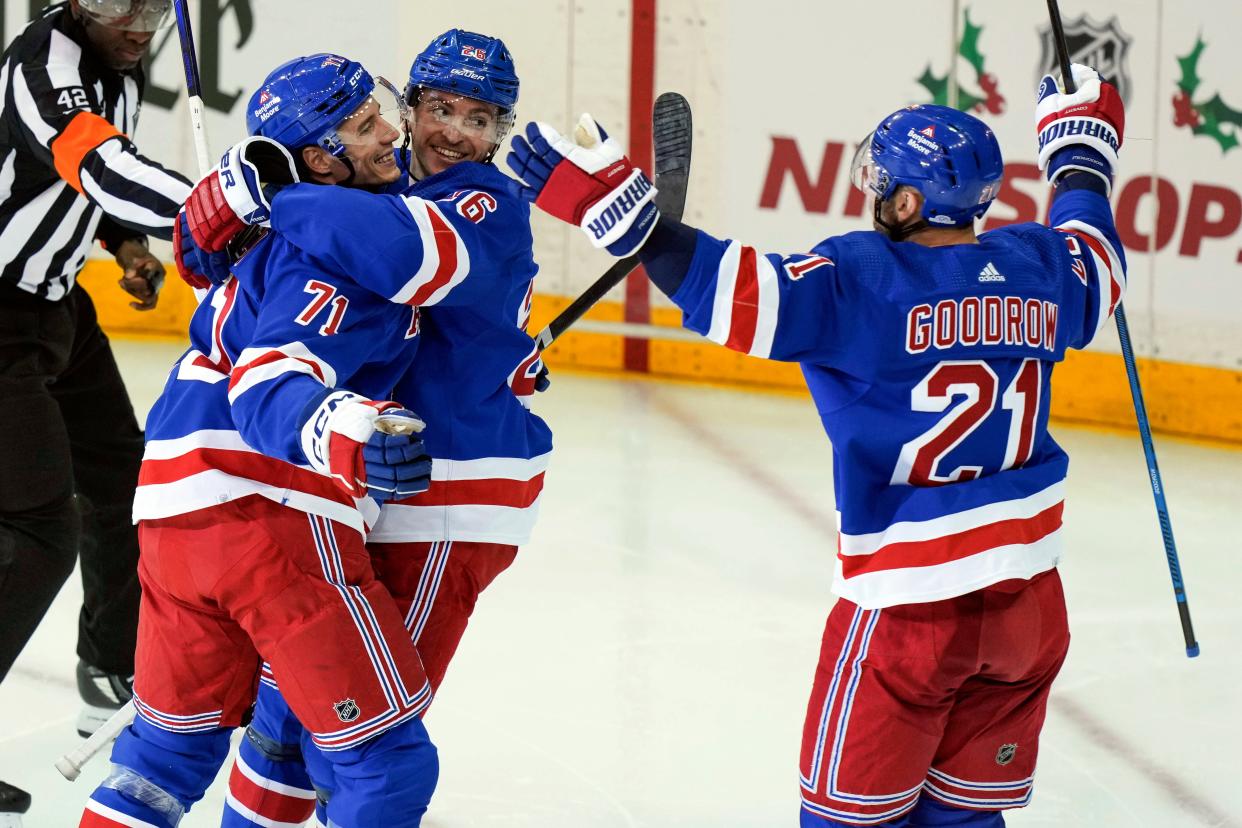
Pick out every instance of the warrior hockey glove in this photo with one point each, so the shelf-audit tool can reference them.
(197, 268)
(1081, 131)
(231, 196)
(369, 447)
(588, 182)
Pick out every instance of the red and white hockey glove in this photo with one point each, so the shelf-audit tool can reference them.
(588, 182)
(231, 197)
(369, 447)
(1081, 131)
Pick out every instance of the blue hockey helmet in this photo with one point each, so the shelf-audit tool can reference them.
(467, 64)
(951, 157)
(303, 101)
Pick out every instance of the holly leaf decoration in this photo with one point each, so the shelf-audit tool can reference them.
(1216, 113)
(969, 47)
(1190, 68)
(1213, 118)
(938, 88)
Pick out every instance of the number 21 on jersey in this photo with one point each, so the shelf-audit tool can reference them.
(974, 385)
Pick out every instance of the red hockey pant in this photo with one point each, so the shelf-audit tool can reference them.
(943, 699)
(227, 587)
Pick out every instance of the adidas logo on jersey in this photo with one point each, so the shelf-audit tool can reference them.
(990, 274)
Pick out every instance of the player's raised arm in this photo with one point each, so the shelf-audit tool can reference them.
(1079, 137)
(784, 307)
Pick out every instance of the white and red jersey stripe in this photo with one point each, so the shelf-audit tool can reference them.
(445, 262)
(1109, 268)
(930, 560)
(487, 500)
(747, 301)
(209, 467)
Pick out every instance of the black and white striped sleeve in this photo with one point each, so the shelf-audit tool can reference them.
(61, 116)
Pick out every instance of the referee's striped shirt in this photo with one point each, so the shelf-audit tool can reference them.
(68, 172)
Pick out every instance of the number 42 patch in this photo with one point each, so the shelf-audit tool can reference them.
(73, 98)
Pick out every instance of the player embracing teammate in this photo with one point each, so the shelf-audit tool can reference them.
(266, 454)
(457, 239)
(928, 352)
(472, 378)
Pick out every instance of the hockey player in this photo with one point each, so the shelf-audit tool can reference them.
(475, 369)
(265, 456)
(928, 352)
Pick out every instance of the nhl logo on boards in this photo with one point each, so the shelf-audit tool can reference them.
(347, 711)
(1103, 47)
(1006, 753)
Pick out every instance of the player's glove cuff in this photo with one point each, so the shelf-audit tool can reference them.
(1080, 158)
(345, 436)
(255, 163)
(622, 220)
(231, 196)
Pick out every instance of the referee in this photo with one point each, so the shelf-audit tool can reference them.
(70, 447)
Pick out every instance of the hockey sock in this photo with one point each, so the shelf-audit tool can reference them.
(156, 776)
(269, 783)
(387, 780)
(929, 813)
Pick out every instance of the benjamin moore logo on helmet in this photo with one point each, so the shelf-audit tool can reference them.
(921, 141)
(268, 105)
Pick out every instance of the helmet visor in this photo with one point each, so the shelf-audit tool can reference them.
(128, 15)
(378, 120)
(469, 116)
(865, 174)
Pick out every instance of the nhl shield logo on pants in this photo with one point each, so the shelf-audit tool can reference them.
(1006, 753)
(347, 710)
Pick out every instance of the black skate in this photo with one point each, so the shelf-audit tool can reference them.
(13, 803)
(102, 695)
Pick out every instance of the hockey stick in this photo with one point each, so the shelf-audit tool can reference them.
(672, 132)
(1136, 391)
(193, 86)
(70, 765)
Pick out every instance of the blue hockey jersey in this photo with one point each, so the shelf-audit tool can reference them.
(459, 244)
(262, 346)
(930, 370)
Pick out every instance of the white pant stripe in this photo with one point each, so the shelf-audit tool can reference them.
(428, 589)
